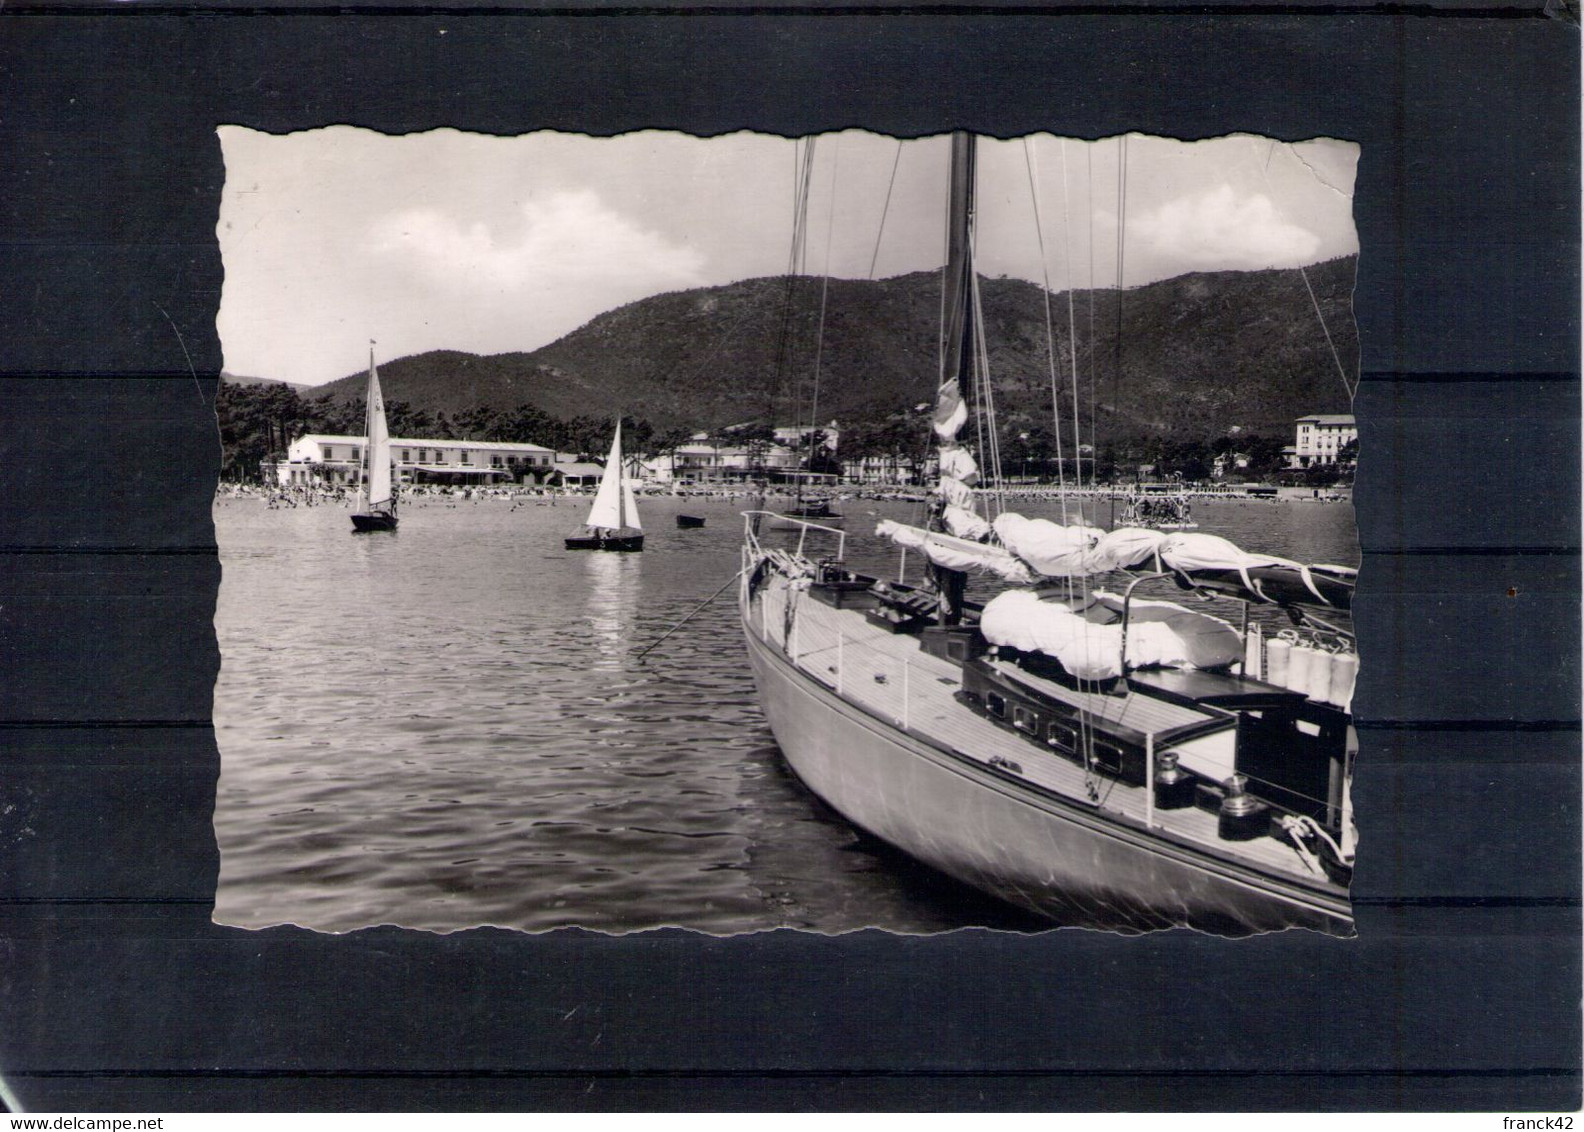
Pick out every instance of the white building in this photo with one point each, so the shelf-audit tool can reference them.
(701, 462)
(322, 459)
(1320, 438)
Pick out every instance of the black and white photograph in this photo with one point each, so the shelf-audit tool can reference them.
(885, 557)
(752, 532)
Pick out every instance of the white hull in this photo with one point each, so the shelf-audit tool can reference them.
(1053, 856)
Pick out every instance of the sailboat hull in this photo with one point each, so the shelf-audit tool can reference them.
(1052, 856)
(375, 521)
(611, 542)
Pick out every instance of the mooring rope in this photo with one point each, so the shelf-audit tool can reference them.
(696, 611)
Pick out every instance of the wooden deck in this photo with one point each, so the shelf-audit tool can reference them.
(892, 678)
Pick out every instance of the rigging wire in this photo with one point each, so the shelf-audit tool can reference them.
(982, 388)
(1030, 164)
(1094, 416)
(1350, 389)
(796, 260)
(885, 210)
(819, 338)
(1072, 330)
(1116, 372)
(1086, 729)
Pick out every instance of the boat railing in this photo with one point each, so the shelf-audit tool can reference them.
(751, 520)
(1127, 608)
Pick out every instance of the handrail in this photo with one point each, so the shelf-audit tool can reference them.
(1127, 602)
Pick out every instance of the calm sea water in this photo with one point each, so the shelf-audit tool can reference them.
(450, 726)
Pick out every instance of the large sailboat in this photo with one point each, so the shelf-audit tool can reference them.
(613, 520)
(375, 478)
(1070, 745)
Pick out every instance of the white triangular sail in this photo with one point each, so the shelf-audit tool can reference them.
(610, 510)
(630, 505)
(377, 444)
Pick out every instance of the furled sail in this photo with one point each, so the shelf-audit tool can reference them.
(1088, 644)
(378, 444)
(1050, 548)
(1057, 551)
(1209, 559)
(956, 553)
(609, 505)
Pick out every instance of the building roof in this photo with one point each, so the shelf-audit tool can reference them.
(580, 469)
(1328, 419)
(470, 445)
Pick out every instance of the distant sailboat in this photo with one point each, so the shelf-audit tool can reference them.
(376, 477)
(613, 520)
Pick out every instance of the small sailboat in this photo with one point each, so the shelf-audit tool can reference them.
(376, 471)
(613, 520)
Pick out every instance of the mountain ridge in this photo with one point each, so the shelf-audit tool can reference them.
(1197, 355)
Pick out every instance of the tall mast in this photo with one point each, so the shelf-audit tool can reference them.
(958, 330)
(621, 495)
(956, 368)
(364, 486)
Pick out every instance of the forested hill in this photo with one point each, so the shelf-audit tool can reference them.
(1188, 357)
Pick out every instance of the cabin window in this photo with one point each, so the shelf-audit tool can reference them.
(1107, 757)
(995, 705)
(1062, 737)
(1025, 720)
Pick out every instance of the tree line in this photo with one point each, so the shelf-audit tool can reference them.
(259, 422)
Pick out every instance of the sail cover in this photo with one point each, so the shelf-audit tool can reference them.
(1057, 551)
(378, 446)
(956, 553)
(608, 502)
(1160, 634)
(1052, 549)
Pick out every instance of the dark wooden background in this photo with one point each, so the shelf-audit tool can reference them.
(1462, 991)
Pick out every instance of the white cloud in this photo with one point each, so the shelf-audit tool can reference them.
(569, 242)
(1219, 229)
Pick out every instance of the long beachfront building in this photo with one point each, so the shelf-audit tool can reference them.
(321, 459)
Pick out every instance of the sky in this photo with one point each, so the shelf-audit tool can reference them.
(332, 238)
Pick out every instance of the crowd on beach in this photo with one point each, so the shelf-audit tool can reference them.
(311, 495)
